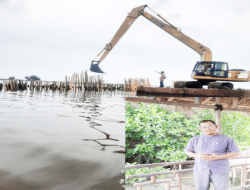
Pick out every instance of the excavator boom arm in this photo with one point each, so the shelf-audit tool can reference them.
(133, 15)
(202, 50)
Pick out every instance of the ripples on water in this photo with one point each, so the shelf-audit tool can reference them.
(62, 141)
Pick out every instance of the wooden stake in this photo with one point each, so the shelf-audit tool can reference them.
(31, 85)
(11, 86)
(76, 82)
(148, 83)
(218, 115)
(235, 102)
(197, 100)
(102, 83)
(98, 83)
(83, 88)
(70, 83)
(65, 83)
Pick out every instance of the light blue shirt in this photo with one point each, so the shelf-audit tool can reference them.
(218, 144)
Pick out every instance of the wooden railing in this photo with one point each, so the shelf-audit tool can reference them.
(179, 179)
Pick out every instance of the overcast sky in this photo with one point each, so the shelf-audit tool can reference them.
(54, 38)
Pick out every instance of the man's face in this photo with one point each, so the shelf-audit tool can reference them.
(208, 128)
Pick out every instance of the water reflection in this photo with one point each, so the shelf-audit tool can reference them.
(92, 124)
(57, 140)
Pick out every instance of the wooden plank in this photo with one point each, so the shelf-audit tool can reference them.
(190, 99)
(218, 100)
(133, 99)
(207, 100)
(159, 164)
(157, 173)
(235, 102)
(190, 92)
(171, 99)
(197, 100)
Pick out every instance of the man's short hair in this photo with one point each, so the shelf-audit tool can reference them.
(205, 121)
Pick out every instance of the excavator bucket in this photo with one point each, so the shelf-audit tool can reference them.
(95, 67)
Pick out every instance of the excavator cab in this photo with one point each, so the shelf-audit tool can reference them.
(210, 69)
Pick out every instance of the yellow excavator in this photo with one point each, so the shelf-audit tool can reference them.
(205, 72)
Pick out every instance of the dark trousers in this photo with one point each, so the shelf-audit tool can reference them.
(161, 84)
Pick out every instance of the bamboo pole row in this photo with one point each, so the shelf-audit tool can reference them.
(78, 81)
(81, 81)
(132, 84)
(14, 85)
(92, 85)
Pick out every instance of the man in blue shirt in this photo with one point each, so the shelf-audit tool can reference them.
(211, 152)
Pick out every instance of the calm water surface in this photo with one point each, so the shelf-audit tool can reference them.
(62, 141)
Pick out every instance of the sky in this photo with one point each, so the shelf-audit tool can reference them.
(54, 38)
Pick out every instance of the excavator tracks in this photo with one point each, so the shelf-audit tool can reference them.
(187, 84)
(220, 85)
(211, 85)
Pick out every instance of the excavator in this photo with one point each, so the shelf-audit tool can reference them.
(205, 71)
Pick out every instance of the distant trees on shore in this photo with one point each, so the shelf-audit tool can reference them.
(32, 77)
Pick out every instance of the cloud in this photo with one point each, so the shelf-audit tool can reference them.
(159, 4)
(13, 6)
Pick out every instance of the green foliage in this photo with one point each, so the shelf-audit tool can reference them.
(11, 78)
(234, 125)
(237, 127)
(156, 135)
